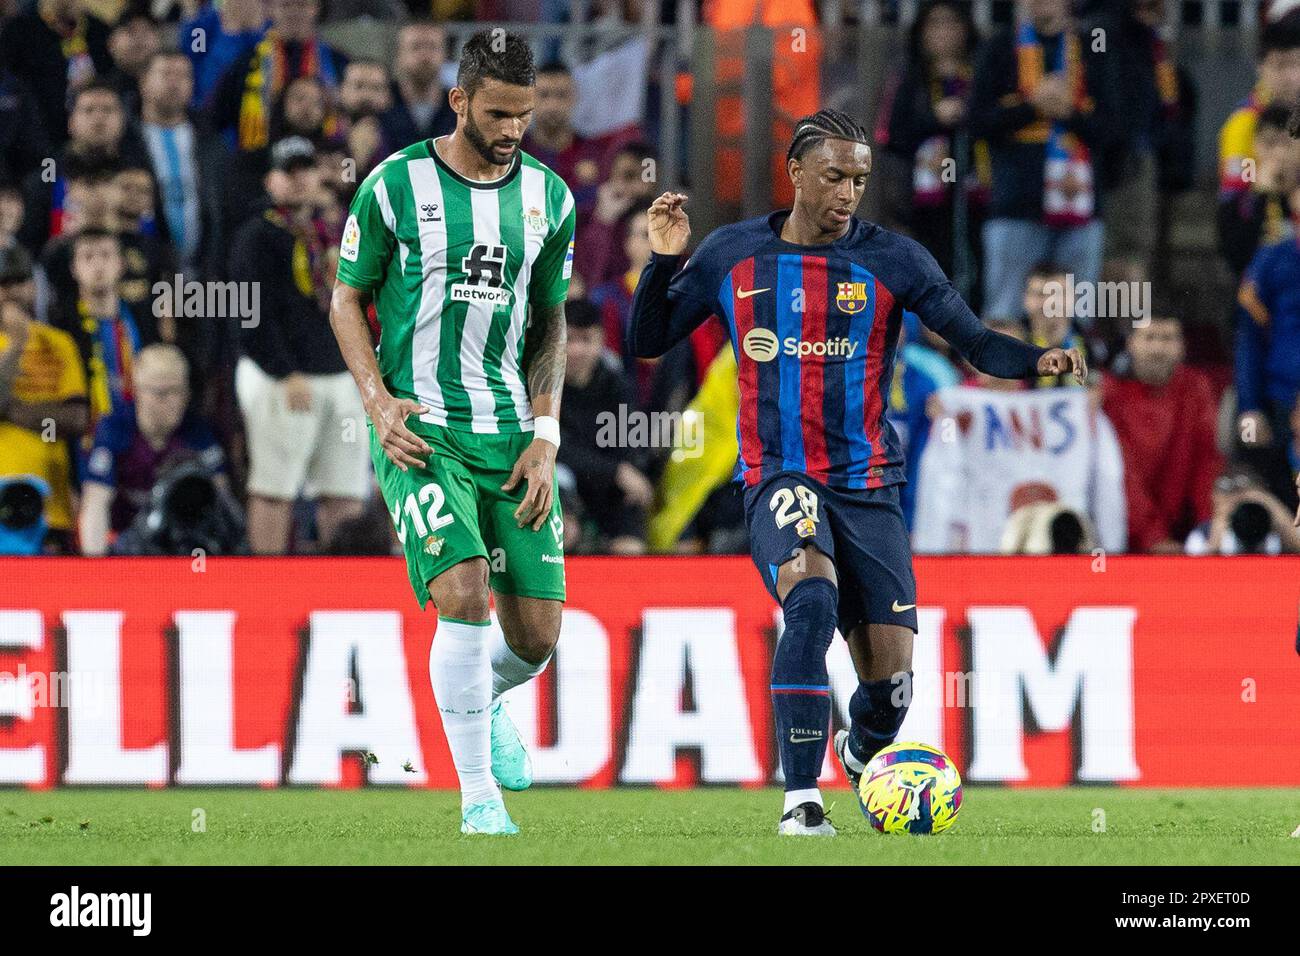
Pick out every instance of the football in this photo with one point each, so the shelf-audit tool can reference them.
(911, 788)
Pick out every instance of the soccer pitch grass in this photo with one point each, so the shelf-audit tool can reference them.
(706, 826)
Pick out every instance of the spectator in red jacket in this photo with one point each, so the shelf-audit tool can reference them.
(1164, 414)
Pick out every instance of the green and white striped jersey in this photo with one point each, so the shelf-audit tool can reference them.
(453, 266)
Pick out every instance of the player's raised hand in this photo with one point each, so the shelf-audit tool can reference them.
(670, 229)
(536, 465)
(1060, 361)
(400, 444)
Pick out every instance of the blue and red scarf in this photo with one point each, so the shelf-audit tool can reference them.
(1069, 197)
(114, 342)
(269, 75)
(930, 187)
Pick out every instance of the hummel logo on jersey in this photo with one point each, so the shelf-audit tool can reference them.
(900, 608)
(428, 212)
(746, 293)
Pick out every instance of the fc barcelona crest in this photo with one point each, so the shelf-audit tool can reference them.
(851, 297)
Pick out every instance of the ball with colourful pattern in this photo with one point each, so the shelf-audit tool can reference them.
(910, 788)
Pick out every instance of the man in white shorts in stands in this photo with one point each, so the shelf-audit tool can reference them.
(305, 426)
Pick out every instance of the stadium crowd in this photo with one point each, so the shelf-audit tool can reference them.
(153, 156)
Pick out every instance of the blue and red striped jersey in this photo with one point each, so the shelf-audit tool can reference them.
(815, 332)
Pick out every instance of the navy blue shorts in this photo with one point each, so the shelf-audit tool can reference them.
(862, 531)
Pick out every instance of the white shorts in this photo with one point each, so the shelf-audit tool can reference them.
(323, 452)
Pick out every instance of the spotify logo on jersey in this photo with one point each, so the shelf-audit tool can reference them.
(760, 344)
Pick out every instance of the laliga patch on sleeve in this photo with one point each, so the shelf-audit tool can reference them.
(351, 239)
(568, 262)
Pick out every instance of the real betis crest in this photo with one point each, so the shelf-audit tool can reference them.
(851, 297)
(535, 219)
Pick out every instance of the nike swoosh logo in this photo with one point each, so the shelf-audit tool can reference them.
(900, 608)
(802, 740)
(746, 293)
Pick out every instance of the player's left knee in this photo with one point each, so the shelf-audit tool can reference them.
(888, 650)
(893, 657)
(536, 644)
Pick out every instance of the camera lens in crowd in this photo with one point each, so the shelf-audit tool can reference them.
(1250, 524)
(20, 505)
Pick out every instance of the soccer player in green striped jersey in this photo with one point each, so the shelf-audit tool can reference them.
(465, 245)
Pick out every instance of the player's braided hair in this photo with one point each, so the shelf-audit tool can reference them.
(1293, 124)
(825, 124)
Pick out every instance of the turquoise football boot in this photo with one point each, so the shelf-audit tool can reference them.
(488, 818)
(511, 765)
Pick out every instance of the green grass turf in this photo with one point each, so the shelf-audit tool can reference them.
(709, 826)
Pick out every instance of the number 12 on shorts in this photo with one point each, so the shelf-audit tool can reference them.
(431, 498)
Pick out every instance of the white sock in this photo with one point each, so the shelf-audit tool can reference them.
(795, 797)
(508, 668)
(461, 676)
(856, 765)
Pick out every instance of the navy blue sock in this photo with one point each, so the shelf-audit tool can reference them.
(876, 716)
(801, 697)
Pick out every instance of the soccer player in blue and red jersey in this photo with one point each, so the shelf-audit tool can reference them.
(813, 298)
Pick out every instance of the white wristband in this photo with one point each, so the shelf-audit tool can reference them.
(547, 428)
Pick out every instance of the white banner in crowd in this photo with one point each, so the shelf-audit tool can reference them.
(992, 452)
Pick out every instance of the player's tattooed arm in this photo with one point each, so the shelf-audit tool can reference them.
(543, 361)
(544, 355)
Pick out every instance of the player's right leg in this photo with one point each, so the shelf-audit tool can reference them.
(460, 670)
(527, 578)
(435, 511)
(793, 547)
